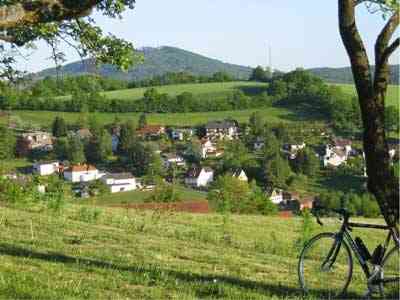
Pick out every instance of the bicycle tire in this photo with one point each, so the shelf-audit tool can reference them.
(329, 291)
(391, 269)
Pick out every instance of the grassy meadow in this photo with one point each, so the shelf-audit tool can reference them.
(392, 97)
(45, 118)
(128, 254)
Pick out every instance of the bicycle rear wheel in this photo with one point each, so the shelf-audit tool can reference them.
(391, 271)
(319, 272)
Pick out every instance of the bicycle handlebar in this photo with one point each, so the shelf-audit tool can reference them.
(342, 211)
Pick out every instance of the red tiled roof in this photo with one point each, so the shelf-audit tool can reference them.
(150, 129)
(81, 168)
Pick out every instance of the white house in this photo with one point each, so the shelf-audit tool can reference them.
(240, 175)
(120, 182)
(207, 147)
(334, 157)
(173, 159)
(46, 168)
(222, 129)
(82, 173)
(276, 196)
(180, 133)
(199, 177)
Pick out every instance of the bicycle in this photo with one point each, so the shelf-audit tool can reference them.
(326, 260)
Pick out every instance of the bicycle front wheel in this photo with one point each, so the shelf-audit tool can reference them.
(325, 266)
(391, 274)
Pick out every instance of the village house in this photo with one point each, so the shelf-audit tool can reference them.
(179, 134)
(206, 148)
(343, 144)
(120, 182)
(83, 134)
(114, 142)
(82, 173)
(276, 196)
(46, 168)
(151, 131)
(227, 129)
(334, 157)
(240, 175)
(37, 140)
(199, 177)
(291, 149)
(173, 159)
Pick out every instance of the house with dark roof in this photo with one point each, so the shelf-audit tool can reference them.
(240, 174)
(222, 129)
(199, 177)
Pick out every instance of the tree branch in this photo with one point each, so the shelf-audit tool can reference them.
(384, 37)
(355, 48)
(43, 11)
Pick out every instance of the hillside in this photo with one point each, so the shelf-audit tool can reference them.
(157, 61)
(344, 75)
(152, 255)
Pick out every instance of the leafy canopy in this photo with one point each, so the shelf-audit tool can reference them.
(60, 22)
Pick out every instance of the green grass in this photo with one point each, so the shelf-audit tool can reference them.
(45, 118)
(152, 255)
(202, 89)
(140, 196)
(392, 97)
(13, 165)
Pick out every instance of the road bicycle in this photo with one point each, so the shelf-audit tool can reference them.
(326, 261)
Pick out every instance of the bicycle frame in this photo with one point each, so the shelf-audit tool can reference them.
(344, 234)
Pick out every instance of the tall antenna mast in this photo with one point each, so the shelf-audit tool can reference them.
(270, 59)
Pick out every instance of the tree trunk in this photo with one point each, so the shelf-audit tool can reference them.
(381, 180)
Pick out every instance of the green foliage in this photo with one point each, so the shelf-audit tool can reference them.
(99, 147)
(306, 162)
(259, 74)
(7, 143)
(127, 136)
(139, 158)
(230, 195)
(59, 127)
(142, 121)
(88, 214)
(165, 193)
(392, 118)
(75, 154)
(306, 230)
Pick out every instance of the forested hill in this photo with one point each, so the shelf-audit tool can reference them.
(344, 75)
(158, 61)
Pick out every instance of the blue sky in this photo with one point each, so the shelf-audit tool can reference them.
(301, 33)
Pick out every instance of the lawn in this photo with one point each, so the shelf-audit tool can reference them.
(202, 89)
(14, 165)
(392, 98)
(140, 196)
(127, 254)
(45, 118)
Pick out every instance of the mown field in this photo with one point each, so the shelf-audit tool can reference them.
(273, 114)
(214, 89)
(127, 254)
(392, 97)
(45, 118)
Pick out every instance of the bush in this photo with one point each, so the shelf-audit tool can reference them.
(88, 215)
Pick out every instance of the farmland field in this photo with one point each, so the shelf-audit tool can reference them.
(133, 197)
(44, 118)
(392, 98)
(204, 89)
(154, 255)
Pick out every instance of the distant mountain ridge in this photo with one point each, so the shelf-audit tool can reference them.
(345, 75)
(158, 61)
